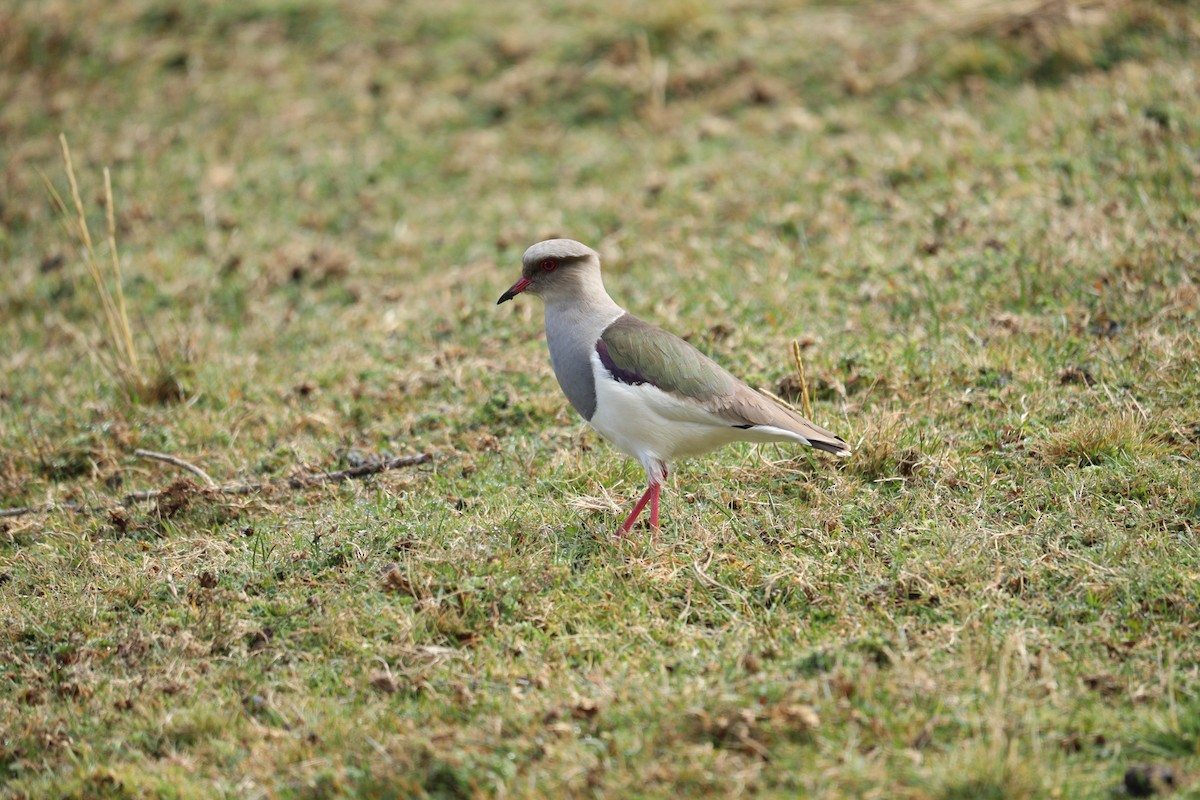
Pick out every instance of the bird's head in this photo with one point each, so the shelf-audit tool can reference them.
(555, 267)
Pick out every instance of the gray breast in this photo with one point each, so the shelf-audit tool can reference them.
(571, 336)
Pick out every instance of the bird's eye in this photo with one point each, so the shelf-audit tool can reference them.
(549, 265)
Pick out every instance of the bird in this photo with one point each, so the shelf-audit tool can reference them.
(652, 395)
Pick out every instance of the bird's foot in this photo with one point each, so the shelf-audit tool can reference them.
(650, 496)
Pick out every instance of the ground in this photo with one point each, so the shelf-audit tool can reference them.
(978, 221)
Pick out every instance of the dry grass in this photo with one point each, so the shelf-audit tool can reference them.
(119, 356)
(117, 352)
(1093, 440)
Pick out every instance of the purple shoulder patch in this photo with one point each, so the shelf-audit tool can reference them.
(622, 375)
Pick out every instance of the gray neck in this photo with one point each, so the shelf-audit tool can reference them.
(573, 324)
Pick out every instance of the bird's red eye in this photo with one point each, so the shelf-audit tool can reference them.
(549, 265)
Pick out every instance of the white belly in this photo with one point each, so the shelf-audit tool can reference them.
(657, 428)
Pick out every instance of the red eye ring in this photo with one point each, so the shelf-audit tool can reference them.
(549, 265)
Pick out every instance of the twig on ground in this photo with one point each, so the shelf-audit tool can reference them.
(303, 481)
(176, 462)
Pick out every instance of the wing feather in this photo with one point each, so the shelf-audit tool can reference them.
(636, 352)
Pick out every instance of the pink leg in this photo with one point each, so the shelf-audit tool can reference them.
(655, 489)
(654, 499)
(650, 494)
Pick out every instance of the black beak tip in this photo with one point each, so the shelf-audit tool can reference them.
(514, 290)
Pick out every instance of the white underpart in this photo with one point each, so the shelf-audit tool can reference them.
(656, 428)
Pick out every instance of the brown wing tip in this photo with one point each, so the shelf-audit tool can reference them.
(837, 447)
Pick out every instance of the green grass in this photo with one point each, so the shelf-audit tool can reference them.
(981, 225)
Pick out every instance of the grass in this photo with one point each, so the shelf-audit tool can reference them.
(980, 226)
(119, 341)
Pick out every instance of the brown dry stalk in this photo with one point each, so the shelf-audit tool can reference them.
(803, 381)
(109, 205)
(302, 481)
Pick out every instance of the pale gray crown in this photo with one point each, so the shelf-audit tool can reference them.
(557, 249)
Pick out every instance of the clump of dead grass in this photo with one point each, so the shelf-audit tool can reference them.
(754, 730)
(1090, 440)
(1048, 42)
(118, 353)
(882, 454)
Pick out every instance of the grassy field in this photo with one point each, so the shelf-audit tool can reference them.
(978, 219)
